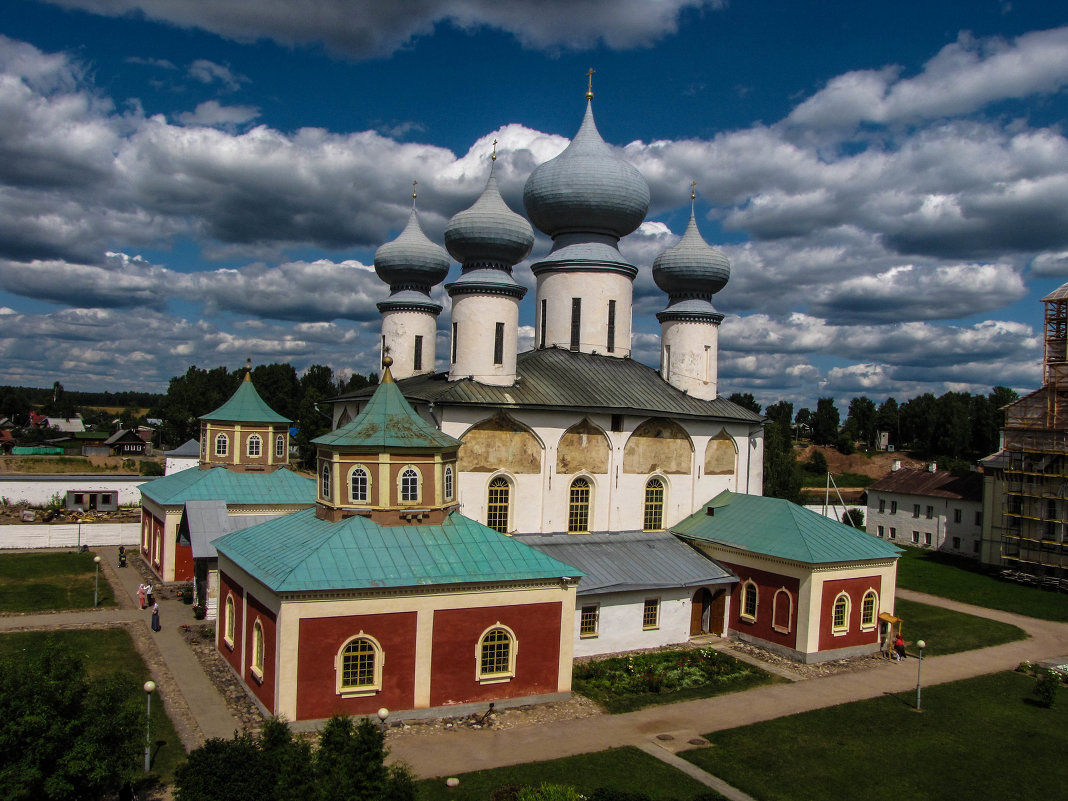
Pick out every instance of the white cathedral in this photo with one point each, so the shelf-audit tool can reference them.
(572, 436)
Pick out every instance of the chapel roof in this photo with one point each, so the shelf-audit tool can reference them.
(300, 552)
(555, 378)
(246, 406)
(775, 527)
(281, 487)
(631, 561)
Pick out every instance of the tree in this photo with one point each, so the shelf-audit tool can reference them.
(817, 463)
(825, 422)
(62, 735)
(887, 419)
(189, 396)
(782, 475)
(860, 421)
(277, 384)
(350, 764)
(746, 401)
(781, 413)
(854, 518)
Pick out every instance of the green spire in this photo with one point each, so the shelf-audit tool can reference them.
(246, 406)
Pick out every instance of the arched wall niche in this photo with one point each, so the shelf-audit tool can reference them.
(721, 455)
(583, 448)
(658, 445)
(499, 443)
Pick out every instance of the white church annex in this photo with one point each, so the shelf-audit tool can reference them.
(572, 436)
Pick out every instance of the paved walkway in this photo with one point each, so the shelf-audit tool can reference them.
(461, 750)
(176, 670)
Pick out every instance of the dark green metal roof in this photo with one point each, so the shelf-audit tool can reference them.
(774, 527)
(300, 552)
(281, 486)
(388, 421)
(246, 406)
(551, 378)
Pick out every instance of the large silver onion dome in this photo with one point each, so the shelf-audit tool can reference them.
(489, 232)
(692, 268)
(587, 189)
(411, 260)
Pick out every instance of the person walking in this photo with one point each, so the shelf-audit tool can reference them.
(148, 593)
(141, 594)
(155, 617)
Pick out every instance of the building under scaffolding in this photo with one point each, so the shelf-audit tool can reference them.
(1026, 483)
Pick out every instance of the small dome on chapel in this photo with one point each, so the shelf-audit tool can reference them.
(489, 232)
(691, 267)
(412, 260)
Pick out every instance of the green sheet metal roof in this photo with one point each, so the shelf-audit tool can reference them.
(300, 552)
(551, 378)
(388, 421)
(774, 527)
(246, 406)
(282, 486)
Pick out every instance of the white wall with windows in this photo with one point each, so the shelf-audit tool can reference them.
(620, 621)
(951, 525)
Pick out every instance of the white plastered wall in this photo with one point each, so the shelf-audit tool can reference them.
(399, 330)
(595, 289)
(620, 621)
(689, 357)
(475, 319)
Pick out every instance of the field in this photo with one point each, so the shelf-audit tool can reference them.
(39, 582)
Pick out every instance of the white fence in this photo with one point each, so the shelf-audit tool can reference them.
(69, 535)
(39, 489)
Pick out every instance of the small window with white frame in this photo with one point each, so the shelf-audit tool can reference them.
(324, 482)
(782, 610)
(651, 614)
(589, 618)
(869, 607)
(255, 446)
(495, 655)
(749, 601)
(358, 666)
(447, 482)
(279, 446)
(359, 485)
(222, 445)
(229, 621)
(257, 651)
(409, 485)
(840, 615)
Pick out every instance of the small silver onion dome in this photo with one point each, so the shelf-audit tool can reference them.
(692, 267)
(489, 232)
(587, 189)
(411, 260)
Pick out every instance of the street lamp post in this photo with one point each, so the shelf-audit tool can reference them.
(150, 687)
(383, 713)
(919, 669)
(96, 582)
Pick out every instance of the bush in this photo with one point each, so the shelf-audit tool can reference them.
(846, 446)
(854, 518)
(548, 792)
(151, 469)
(816, 464)
(1046, 687)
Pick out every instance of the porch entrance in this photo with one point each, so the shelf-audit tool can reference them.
(706, 612)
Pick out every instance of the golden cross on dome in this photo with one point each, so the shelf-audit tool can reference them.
(494, 156)
(415, 194)
(589, 85)
(693, 190)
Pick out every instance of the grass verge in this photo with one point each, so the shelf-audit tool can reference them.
(980, 738)
(949, 632)
(627, 769)
(39, 582)
(104, 651)
(960, 579)
(626, 683)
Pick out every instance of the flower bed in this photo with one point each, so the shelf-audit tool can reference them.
(622, 684)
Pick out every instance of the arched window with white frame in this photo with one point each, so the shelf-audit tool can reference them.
(653, 517)
(447, 482)
(578, 507)
(409, 485)
(359, 485)
(255, 445)
(782, 610)
(840, 614)
(222, 445)
(749, 601)
(869, 608)
(257, 650)
(229, 621)
(495, 654)
(324, 482)
(358, 666)
(498, 504)
(279, 446)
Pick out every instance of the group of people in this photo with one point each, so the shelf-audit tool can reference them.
(144, 595)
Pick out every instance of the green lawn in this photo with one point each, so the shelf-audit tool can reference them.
(627, 683)
(981, 738)
(949, 632)
(106, 651)
(38, 582)
(960, 579)
(627, 769)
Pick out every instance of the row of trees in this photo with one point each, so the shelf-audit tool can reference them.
(957, 426)
(201, 391)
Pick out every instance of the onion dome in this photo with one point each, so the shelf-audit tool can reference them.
(411, 261)
(692, 268)
(587, 188)
(489, 233)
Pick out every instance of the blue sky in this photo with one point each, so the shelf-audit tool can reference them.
(197, 182)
